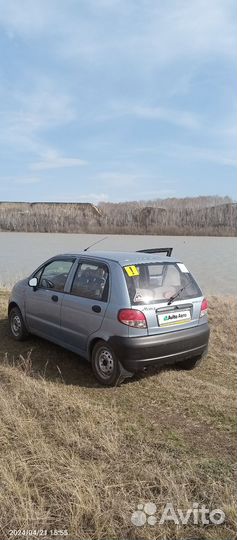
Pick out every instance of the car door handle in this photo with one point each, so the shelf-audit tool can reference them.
(97, 309)
(54, 298)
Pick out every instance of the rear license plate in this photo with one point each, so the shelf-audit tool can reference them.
(174, 317)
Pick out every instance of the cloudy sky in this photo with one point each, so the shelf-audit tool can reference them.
(117, 99)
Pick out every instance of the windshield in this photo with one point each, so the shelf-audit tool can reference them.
(153, 283)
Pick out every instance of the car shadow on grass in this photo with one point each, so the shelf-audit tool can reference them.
(40, 358)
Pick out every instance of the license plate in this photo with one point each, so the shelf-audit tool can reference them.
(174, 317)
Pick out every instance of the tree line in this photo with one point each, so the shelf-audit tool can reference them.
(211, 216)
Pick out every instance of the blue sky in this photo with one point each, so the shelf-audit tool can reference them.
(117, 99)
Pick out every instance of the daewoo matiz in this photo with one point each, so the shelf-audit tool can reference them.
(122, 311)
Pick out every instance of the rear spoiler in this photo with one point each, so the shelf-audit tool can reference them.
(168, 251)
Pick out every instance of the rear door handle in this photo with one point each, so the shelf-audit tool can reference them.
(97, 309)
(54, 298)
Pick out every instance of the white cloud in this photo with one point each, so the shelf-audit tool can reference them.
(192, 153)
(21, 180)
(118, 178)
(30, 112)
(182, 29)
(40, 107)
(153, 33)
(133, 181)
(26, 18)
(24, 180)
(156, 194)
(93, 52)
(52, 160)
(181, 118)
(92, 197)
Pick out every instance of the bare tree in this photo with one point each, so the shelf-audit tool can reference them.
(189, 216)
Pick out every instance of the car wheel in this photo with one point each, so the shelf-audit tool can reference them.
(189, 364)
(17, 325)
(105, 365)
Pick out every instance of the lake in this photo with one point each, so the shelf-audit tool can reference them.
(212, 260)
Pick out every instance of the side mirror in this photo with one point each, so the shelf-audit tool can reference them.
(33, 282)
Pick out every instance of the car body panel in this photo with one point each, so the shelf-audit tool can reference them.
(72, 323)
(17, 296)
(137, 353)
(152, 311)
(43, 315)
(79, 321)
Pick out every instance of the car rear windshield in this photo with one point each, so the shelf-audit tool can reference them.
(153, 283)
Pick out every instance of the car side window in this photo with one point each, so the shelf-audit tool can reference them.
(54, 275)
(91, 281)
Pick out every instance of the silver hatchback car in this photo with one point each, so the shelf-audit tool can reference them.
(122, 311)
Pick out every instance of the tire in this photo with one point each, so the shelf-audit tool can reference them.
(105, 365)
(189, 364)
(17, 326)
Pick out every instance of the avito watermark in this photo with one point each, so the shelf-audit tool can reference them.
(197, 515)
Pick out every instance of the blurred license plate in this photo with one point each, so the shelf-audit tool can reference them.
(174, 317)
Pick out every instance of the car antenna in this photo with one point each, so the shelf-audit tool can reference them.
(97, 242)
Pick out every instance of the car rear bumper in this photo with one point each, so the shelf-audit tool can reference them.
(136, 353)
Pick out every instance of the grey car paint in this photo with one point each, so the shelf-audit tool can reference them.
(72, 323)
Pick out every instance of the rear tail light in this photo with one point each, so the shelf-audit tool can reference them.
(132, 317)
(204, 307)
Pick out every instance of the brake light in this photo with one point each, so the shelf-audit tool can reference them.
(132, 317)
(204, 307)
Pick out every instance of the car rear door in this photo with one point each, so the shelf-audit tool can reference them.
(160, 282)
(43, 303)
(83, 308)
(183, 311)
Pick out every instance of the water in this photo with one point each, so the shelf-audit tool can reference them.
(212, 260)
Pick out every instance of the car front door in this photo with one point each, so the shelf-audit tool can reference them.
(83, 309)
(43, 303)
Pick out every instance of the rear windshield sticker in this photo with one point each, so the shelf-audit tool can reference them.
(138, 296)
(132, 271)
(142, 296)
(183, 268)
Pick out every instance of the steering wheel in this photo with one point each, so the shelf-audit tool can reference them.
(47, 284)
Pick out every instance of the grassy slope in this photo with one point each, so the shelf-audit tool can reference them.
(77, 456)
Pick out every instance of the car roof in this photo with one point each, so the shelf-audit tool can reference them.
(124, 257)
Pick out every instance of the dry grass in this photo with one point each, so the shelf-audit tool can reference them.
(79, 457)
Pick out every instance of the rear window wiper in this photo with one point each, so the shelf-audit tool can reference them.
(174, 296)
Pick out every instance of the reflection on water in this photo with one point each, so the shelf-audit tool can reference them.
(212, 260)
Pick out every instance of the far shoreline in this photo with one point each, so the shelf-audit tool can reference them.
(196, 216)
(187, 235)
